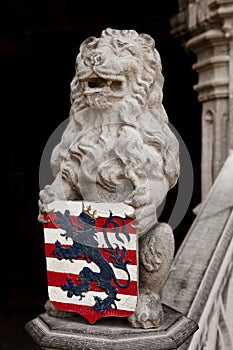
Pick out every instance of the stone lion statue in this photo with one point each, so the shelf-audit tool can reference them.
(118, 147)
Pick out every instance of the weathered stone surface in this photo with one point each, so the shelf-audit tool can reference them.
(118, 147)
(109, 334)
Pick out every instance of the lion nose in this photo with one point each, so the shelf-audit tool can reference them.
(94, 60)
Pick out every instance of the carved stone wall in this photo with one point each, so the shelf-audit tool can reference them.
(206, 28)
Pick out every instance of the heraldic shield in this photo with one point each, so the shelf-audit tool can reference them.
(91, 258)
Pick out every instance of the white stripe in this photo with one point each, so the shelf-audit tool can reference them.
(53, 234)
(127, 302)
(66, 266)
(75, 208)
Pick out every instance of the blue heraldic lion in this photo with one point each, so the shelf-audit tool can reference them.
(85, 246)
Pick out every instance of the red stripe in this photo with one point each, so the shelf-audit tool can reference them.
(99, 223)
(56, 279)
(131, 255)
(89, 313)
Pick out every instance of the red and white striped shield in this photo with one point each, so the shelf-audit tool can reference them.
(91, 257)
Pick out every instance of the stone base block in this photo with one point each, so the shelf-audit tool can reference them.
(109, 333)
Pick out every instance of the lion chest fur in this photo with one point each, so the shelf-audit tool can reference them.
(99, 151)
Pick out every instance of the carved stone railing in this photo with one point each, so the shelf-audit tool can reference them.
(200, 283)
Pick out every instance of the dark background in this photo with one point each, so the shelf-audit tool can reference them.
(39, 41)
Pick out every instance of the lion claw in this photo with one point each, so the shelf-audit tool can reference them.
(43, 209)
(148, 313)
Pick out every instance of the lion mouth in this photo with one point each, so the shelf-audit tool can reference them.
(97, 86)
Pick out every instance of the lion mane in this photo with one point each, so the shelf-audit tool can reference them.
(117, 121)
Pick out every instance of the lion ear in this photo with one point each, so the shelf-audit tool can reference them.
(148, 40)
(89, 43)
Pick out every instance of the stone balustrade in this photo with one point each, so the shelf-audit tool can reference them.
(200, 283)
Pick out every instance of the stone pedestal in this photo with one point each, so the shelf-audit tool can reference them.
(109, 333)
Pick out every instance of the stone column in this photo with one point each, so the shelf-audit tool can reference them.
(206, 28)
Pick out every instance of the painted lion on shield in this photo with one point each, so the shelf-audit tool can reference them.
(118, 147)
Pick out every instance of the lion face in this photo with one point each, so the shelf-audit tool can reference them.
(120, 65)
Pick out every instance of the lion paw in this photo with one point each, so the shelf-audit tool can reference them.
(46, 195)
(148, 313)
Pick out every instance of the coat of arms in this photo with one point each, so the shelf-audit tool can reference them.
(91, 257)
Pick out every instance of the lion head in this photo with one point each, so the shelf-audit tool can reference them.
(120, 65)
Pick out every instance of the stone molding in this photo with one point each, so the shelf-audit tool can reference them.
(110, 333)
(206, 28)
